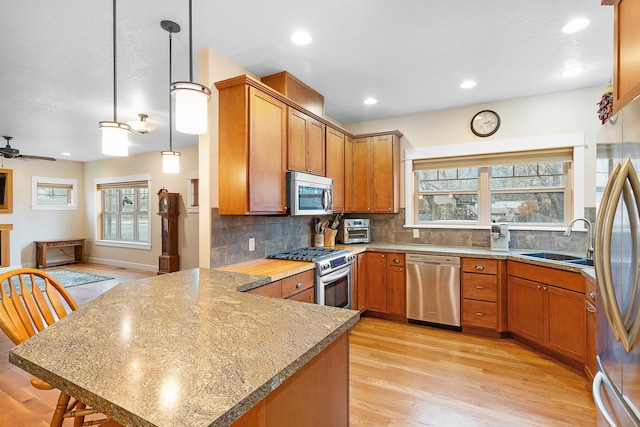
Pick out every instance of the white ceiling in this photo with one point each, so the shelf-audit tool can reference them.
(56, 82)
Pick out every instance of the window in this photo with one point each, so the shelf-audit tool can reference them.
(124, 212)
(53, 193)
(193, 190)
(466, 187)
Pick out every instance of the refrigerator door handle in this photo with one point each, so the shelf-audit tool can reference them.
(598, 380)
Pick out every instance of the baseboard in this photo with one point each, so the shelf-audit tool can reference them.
(123, 264)
(14, 267)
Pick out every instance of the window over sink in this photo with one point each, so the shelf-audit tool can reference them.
(473, 185)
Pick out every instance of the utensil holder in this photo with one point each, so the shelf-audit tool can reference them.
(330, 237)
(318, 240)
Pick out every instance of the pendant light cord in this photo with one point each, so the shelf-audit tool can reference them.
(190, 43)
(170, 114)
(115, 76)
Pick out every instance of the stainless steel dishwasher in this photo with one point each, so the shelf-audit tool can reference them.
(433, 289)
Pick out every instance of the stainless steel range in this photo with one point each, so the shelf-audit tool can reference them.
(332, 276)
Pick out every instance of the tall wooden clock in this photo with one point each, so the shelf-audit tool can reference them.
(168, 204)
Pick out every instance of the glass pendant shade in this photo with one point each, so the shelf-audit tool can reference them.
(191, 107)
(170, 161)
(115, 138)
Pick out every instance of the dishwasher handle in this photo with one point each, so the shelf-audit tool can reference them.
(432, 260)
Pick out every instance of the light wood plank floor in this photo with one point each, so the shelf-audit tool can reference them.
(401, 376)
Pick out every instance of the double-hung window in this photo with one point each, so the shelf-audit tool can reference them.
(124, 215)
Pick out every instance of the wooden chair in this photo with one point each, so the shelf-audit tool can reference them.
(24, 311)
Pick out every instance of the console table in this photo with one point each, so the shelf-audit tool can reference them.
(43, 245)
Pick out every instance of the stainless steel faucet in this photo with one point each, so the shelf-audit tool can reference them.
(569, 229)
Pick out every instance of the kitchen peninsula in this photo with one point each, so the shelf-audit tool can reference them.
(188, 349)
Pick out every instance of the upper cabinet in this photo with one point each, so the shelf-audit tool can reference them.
(626, 64)
(372, 173)
(297, 91)
(334, 154)
(252, 146)
(305, 143)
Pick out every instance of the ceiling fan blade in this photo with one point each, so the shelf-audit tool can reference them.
(27, 157)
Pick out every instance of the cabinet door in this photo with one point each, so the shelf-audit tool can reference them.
(362, 184)
(296, 141)
(590, 351)
(334, 150)
(376, 281)
(314, 153)
(526, 308)
(361, 276)
(565, 322)
(396, 290)
(304, 296)
(382, 181)
(267, 136)
(626, 67)
(349, 194)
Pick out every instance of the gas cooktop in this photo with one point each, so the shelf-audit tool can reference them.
(309, 254)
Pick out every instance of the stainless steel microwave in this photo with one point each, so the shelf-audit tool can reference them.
(309, 194)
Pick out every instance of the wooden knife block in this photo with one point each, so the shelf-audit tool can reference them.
(330, 237)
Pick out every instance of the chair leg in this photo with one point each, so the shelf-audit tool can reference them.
(79, 421)
(61, 409)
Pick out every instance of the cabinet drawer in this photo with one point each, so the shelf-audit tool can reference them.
(480, 313)
(273, 289)
(304, 296)
(480, 287)
(297, 283)
(395, 259)
(480, 266)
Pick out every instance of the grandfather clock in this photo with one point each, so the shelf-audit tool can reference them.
(169, 261)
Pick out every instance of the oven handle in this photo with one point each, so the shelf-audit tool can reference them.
(335, 275)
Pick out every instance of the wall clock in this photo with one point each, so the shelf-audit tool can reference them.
(485, 123)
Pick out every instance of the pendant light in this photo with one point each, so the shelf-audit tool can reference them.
(191, 98)
(170, 159)
(115, 135)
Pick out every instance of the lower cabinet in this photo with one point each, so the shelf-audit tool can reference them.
(315, 396)
(358, 285)
(590, 352)
(484, 300)
(546, 308)
(299, 287)
(384, 276)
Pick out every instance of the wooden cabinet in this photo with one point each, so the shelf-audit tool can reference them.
(546, 308)
(297, 91)
(298, 287)
(626, 48)
(484, 299)
(305, 143)
(372, 169)
(252, 147)
(385, 282)
(590, 352)
(358, 282)
(334, 165)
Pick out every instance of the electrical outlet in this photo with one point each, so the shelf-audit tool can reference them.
(416, 233)
(252, 244)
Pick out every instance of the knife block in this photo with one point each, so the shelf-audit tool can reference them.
(330, 237)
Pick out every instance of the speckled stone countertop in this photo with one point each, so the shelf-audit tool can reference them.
(181, 349)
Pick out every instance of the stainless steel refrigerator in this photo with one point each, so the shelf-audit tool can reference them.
(616, 387)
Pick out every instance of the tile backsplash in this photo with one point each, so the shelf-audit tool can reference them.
(272, 234)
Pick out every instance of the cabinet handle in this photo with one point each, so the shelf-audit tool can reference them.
(539, 287)
(544, 288)
(479, 267)
(479, 287)
(590, 310)
(479, 314)
(299, 285)
(592, 296)
(396, 261)
(383, 255)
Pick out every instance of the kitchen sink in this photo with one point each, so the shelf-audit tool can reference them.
(583, 261)
(555, 256)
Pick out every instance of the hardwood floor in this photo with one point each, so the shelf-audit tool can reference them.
(401, 376)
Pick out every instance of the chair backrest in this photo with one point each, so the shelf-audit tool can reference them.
(30, 301)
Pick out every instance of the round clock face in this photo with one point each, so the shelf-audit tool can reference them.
(485, 123)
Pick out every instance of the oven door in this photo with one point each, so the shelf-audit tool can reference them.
(334, 289)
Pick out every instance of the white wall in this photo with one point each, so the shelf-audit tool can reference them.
(31, 225)
(150, 163)
(558, 113)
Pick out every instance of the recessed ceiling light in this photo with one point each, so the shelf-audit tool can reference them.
(370, 101)
(66, 154)
(572, 72)
(467, 84)
(575, 25)
(301, 38)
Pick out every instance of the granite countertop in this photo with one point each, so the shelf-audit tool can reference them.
(180, 349)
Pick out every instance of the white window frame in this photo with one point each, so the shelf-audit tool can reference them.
(117, 243)
(191, 208)
(43, 181)
(572, 140)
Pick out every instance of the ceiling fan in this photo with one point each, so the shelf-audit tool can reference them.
(12, 153)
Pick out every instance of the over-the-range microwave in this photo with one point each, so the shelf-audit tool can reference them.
(309, 194)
